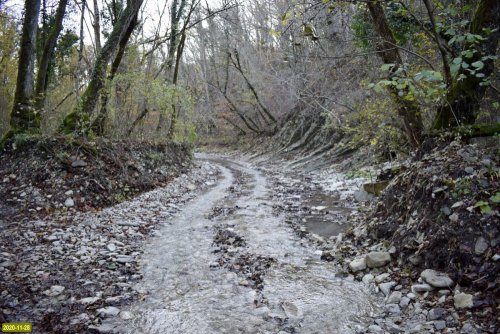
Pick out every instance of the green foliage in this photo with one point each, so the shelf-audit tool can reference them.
(377, 125)
(425, 85)
(405, 29)
(128, 88)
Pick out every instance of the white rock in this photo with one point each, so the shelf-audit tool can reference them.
(421, 288)
(126, 315)
(481, 246)
(386, 287)
(68, 193)
(55, 290)
(436, 279)
(463, 300)
(357, 265)
(382, 277)
(368, 278)
(108, 311)
(377, 259)
(111, 247)
(69, 202)
(394, 297)
(88, 300)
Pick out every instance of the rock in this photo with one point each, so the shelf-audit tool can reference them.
(454, 217)
(375, 188)
(69, 202)
(108, 311)
(463, 300)
(444, 292)
(468, 328)
(111, 247)
(394, 298)
(191, 187)
(405, 301)
(415, 259)
(89, 300)
(55, 290)
(436, 279)
(375, 329)
(357, 265)
(368, 278)
(68, 193)
(126, 315)
(436, 313)
(440, 325)
(124, 259)
(496, 257)
(421, 288)
(377, 259)
(382, 277)
(104, 328)
(386, 287)
(392, 309)
(80, 319)
(78, 163)
(481, 246)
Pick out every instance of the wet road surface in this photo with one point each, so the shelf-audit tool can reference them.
(228, 263)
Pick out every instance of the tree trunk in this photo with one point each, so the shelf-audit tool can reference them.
(97, 28)
(175, 111)
(464, 97)
(79, 118)
(24, 118)
(48, 52)
(98, 124)
(409, 111)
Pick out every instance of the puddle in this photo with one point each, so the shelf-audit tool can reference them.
(326, 215)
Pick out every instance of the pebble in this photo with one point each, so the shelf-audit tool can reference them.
(377, 259)
(392, 308)
(69, 202)
(421, 288)
(108, 311)
(436, 279)
(357, 265)
(126, 315)
(382, 277)
(386, 287)
(436, 313)
(463, 300)
(55, 290)
(405, 301)
(481, 246)
(440, 325)
(375, 329)
(394, 298)
(111, 247)
(368, 278)
(89, 300)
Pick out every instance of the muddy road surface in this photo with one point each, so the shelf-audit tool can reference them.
(228, 263)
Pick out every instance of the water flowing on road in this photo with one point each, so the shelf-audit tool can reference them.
(228, 263)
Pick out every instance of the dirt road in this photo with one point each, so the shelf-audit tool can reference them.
(228, 263)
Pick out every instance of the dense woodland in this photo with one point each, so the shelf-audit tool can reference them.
(388, 73)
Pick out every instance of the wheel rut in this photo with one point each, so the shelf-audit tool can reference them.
(229, 264)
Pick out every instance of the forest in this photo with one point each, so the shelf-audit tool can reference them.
(370, 129)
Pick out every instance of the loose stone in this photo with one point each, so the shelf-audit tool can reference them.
(436, 279)
(377, 259)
